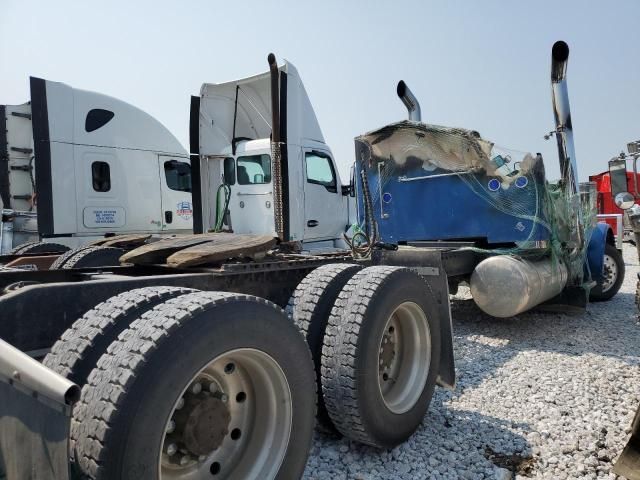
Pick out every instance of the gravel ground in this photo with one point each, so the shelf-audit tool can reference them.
(538, 396)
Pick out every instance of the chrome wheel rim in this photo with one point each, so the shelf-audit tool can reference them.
(610, 273)
(232, 421)
(404, 357)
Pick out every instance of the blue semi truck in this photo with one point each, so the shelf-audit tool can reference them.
(421, 184)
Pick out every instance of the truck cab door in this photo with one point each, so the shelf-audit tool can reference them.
(251, 203)
(175, 188)
(324, 204)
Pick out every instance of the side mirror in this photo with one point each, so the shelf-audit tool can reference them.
(624, 200)
(350, 189)
(618, 176)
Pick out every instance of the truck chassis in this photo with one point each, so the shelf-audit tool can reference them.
(47, 303)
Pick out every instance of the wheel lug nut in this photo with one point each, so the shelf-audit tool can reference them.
(224, 398)
(213, 388)
(196, 388)
(172, 449)
(180, 404)
(171, 427)
(185, 459)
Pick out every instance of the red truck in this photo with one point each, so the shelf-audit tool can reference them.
(606, 203)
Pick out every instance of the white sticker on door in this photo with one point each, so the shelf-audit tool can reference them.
(104, 217)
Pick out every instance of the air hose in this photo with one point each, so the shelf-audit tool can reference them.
(221, 212)
(363, 240)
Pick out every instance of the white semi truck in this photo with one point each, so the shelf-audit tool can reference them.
(234, 150)
(77, 166)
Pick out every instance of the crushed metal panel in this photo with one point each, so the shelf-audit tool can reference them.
(424, 179)
(433, 146)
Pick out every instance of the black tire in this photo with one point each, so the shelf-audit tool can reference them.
(94, 257)
(350, 356)
(64, 258)
(310, 307)
(18, 250)
(39, 247)
(120, 419)
(597, 293)
(81, 345)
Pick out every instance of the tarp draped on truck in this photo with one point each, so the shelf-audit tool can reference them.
(429, 182)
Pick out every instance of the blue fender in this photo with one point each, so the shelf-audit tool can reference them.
(594, 263)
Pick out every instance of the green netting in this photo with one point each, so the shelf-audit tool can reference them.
(409, 151)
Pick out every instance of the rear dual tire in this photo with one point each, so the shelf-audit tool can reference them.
(44, 248)
(377, 392)
(375, 338)
(89, 257)
(77, 352)
(122, 421)
(309, 308)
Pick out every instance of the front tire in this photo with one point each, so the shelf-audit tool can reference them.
(613, 275)
(141, 413)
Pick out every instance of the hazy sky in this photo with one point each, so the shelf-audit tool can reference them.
(482, 65)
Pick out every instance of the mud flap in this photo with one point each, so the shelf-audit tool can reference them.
(35, 417)
(628, 465)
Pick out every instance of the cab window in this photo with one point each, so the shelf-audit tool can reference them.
(320, 170)
(178, 175)
(254, 169)
(101, 176)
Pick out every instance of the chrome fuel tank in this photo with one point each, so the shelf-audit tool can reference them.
(505, 285)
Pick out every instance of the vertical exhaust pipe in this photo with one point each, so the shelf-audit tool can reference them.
(564, 134)
(410, 101)
(275, 98)
(276, 153)
(562, 114)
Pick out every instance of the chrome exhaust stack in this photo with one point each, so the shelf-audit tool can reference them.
(506, 285)
(562, 114)
(410, 101)
(564, 137)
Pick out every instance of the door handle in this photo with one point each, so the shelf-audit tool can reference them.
(168, 216)
(312, 223)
